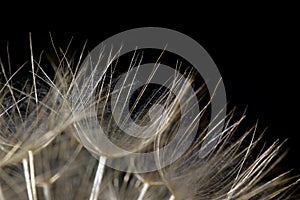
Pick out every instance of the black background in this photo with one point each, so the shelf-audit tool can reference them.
(256, 51)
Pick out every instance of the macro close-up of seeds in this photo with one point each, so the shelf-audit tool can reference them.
(143, 114)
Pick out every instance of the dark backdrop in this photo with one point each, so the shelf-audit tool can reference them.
(257, 55)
